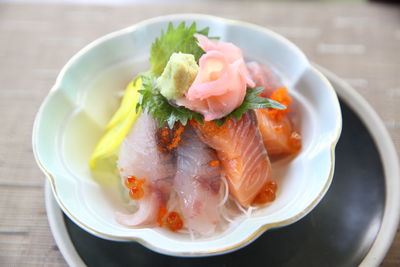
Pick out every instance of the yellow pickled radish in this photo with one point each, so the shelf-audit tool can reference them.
(118, 128)
(128, 103)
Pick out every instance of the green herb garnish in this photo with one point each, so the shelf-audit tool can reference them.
(179, 39)
(158, 106)
(251, 101)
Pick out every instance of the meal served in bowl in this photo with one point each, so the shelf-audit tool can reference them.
(199, 129)
(224, 130)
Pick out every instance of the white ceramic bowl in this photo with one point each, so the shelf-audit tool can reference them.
(74, 114)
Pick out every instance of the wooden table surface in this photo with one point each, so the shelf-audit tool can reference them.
(360, 43)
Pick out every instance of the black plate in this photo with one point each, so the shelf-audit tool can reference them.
(338, 232)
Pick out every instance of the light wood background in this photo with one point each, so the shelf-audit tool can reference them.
(358, 42)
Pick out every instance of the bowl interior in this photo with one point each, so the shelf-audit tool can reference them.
(88, 90)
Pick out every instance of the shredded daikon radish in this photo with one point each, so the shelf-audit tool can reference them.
(226, 194)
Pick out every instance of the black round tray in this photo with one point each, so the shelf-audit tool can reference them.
(338, 232)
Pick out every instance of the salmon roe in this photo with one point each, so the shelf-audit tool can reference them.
(267, 194)
(172, 220)
(214, 163)
(193, 123)
(210, 128)
(282, 97)
(136, 187)
(168, 139)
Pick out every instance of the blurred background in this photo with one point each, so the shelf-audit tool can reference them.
(127, 2)
(358, 40)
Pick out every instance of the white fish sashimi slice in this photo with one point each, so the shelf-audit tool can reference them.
(197, 184)
(140, 157)
(139, 154)
(264, 77)
(146, 214)
(148, 206)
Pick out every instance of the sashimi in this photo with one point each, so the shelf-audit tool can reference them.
(276, 128)
(242, 154)
(194, 135)
(278, 136)
(264, 77)
(197, 183)
(140, 158)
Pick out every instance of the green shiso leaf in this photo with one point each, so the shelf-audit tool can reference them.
(158, 106)
(174, 40)
(251, 101)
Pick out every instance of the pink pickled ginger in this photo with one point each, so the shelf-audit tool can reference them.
(220, 85)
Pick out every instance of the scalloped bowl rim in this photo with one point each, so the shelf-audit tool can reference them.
(261, 228)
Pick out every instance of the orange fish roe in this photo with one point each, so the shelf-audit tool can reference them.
(193, 122)
(169, 139)
(174, 221)
(161, 213)
(267, 194)
(282, 97)
(164, 132)
(214, 163)
(209, 128)
(136, 187)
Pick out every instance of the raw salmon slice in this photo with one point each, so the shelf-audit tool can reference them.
(276, 127)
(242, 154)
(278, 135)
